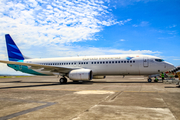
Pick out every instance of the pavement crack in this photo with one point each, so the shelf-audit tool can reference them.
(168, 107)
(87, 110)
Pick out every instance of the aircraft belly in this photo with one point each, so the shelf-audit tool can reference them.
(44, 72)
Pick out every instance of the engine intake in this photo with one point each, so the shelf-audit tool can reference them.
(81, 74)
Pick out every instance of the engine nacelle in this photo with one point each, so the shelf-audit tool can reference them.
(99, 77)
(81, 74)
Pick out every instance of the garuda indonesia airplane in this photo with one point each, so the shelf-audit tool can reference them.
(85, 68)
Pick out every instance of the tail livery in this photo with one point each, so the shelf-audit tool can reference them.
(14, 54)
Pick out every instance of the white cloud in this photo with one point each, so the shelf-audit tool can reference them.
(49, 29)
(124, 21)
(54, 22)
(122, 40)
(142, 24)
(90, 51)
(172, 26)
(64, 21)
(135, 25)
(131, 2)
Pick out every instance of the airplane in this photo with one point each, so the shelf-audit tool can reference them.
(85, 68)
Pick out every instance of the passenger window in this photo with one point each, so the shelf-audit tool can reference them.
(130, 61)
(94, 62)
(91, 62)
(127, 61)
(79, 63)
(133, 61)
(109, 62)
(100, 62)
(115, 61)
(86, 62)
(69, 63)
(112, 61)
(97, 62)
(124, 61)
(75, 63)
(119, 61)
(106, 62)
(103, 62)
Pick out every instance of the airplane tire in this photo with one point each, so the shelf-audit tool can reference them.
(75, 81)
(65, 80)
(62, 81)
(149, 80)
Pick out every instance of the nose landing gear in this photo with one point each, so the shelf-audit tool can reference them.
(149, 80)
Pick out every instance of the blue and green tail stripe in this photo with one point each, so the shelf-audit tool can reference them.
(14, 54)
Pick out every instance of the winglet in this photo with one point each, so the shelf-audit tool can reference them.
(14, 54)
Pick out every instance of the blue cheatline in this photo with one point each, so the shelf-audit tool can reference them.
(14, 54)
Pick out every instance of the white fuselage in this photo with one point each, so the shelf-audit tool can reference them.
(108, 65)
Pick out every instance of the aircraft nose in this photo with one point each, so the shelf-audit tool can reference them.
(169, 66)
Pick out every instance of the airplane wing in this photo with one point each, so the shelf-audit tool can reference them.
(42, 67)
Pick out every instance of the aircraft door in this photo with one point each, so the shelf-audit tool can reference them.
(146, 62)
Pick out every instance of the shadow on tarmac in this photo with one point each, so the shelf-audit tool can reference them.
(29, 86)
(68, 83)
(123, 82)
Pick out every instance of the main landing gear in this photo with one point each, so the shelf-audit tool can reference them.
(150, 80)
(62, 80)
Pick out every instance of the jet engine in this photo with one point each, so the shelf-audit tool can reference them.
(80, 74)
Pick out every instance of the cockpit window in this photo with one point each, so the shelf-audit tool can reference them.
(159, 60)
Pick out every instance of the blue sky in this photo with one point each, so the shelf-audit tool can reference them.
(45, 28)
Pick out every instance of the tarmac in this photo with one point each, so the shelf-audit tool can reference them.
(113, 98)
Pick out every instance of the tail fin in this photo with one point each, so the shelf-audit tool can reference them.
(14, 54)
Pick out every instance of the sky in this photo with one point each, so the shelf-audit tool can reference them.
(67, 28)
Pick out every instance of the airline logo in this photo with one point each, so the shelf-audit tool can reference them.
(129, 58)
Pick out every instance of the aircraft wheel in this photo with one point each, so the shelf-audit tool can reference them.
(149, 80)
(63, 80)
(75, 81)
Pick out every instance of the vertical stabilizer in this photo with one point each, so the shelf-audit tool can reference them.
(14, 54)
